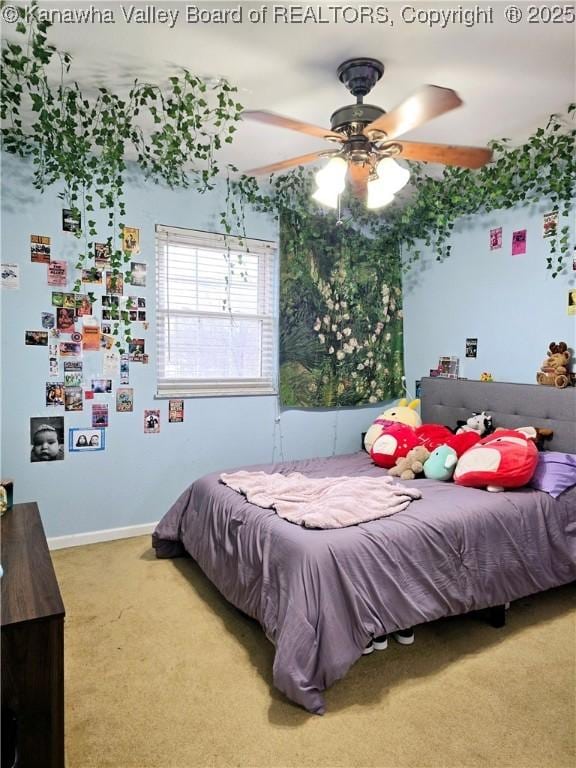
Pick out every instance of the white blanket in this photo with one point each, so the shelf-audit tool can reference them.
(325, 502)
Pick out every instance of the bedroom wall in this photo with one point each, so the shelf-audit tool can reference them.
(509, 303)
(136, 478)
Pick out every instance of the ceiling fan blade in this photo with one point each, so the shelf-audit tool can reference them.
(287, 122)
(358, 176)
(429, 102)
(290, 163)
(447, 154)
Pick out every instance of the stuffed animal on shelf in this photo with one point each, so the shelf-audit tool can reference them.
(555, 370)
(410, 465)
(441, 463)
(505, 459)
(486, 376)
(402, 412)
(481, 423)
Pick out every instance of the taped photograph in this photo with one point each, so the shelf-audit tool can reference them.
(86, 440)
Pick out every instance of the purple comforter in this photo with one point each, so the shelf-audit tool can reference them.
(321, 594)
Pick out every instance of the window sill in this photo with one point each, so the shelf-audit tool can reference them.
(212, 393)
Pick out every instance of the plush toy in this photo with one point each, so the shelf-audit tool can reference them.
(441, 463)
(401, 412)
(481, 423)
(404, 412)
(554, 371)
(410, 465)
(392, 444)
(375, 430)
(433, 435)
(486, 376)
(505, 459)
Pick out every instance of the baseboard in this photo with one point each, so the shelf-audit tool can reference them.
(94, 537)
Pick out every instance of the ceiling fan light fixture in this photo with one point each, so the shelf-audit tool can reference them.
(379, 194)
(326, 196)
(392, 174)
(333, 174)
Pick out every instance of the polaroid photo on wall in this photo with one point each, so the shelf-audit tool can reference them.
(80, 440)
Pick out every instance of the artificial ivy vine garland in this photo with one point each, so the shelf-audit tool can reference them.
(542, 168)
(82, 142)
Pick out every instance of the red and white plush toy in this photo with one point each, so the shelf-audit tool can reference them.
(403, 412)
(505, 459)
(393, 444)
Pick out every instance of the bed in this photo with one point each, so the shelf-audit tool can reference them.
(320, 595)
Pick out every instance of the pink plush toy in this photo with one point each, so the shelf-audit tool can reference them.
(505, 459)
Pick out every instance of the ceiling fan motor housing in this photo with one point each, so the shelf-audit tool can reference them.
(360, 75)
(346, 117)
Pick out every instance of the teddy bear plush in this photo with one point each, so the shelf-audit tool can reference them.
(554, 371)
(411, 465)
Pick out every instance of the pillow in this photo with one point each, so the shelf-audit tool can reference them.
(555, 472)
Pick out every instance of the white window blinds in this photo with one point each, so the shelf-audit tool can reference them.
(215, 314)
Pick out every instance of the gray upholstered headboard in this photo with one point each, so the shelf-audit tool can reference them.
(445, 401)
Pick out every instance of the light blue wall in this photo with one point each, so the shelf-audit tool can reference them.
(509, 303)
(138, 476)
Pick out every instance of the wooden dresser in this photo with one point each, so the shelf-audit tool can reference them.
(32, 645)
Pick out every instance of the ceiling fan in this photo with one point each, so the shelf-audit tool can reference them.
(367, 138)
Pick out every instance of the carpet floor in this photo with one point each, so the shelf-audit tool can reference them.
(161, 672)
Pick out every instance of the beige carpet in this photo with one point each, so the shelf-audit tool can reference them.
(162, 672)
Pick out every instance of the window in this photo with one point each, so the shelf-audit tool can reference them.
(215, 316)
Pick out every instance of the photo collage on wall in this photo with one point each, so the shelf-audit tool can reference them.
(78, 330)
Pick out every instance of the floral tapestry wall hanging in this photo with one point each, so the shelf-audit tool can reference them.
(340, 316)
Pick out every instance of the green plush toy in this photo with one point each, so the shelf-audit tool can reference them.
(441, 464)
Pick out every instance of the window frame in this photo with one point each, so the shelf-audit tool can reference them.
(180, 387)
